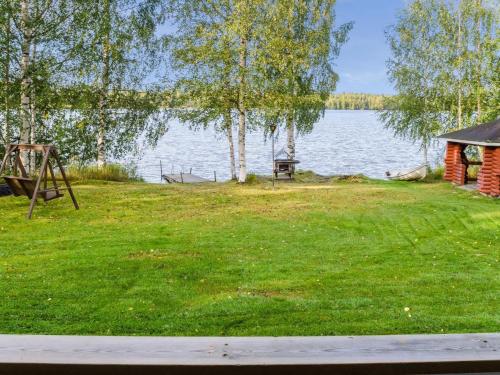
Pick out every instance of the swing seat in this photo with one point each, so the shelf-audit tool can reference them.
(21, 184)
(50, 194)
(24, 186)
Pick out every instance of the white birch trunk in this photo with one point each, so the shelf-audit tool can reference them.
(459, 114)
(479, 73)
(478, 62)
(6, 131)
(228, 123)
(25, 77)
(32, 165)
(242, 111)
(104, 89)
(290, 132)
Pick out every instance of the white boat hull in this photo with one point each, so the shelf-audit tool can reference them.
(414, 174)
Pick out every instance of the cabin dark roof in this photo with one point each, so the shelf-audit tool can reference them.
(484, 135)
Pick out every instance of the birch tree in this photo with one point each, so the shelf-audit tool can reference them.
(5, 68)
(205, 55)
(256, 57)
(414, 69)
(105, 36)
(35, 22)
(77, 69)
(26, 79)
(43, 37)
(121, 50)
(38, 35)
(467, 36)
(215, 54)
(297, 53)
(485, 18)
(444, 66)
(244, 26)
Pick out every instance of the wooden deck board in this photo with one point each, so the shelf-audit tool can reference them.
(429, 353)
(186, 178)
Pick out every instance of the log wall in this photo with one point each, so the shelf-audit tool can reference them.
(454, 169)
(489, 176)
(488, 180)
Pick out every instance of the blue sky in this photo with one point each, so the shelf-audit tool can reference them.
(362, 61)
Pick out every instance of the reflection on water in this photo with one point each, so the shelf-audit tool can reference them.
(343, 142)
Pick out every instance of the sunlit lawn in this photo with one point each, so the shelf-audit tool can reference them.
(332, 258)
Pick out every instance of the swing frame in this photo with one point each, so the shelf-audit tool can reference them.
(21, 184)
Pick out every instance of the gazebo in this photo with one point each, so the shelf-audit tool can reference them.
(456, 162)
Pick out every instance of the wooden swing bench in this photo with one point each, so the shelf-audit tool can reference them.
(22, 185)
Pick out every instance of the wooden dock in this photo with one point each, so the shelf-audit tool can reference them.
(392, 354)
(184, 178)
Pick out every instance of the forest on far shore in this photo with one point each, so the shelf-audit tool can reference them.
(356, 101)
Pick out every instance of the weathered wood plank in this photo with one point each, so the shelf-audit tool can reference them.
(154, 355)
(184, 178)
(33, 147)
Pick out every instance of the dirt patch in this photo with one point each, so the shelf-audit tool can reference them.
(350, 178)
(271, 293)
(158, 254)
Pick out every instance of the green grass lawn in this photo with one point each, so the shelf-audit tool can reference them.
(332, 258)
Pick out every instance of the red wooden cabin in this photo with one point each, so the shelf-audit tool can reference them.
(486, 136)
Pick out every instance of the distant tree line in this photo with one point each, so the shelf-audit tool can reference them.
(354, 101)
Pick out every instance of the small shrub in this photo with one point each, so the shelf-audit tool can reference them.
(355, 178)
(310, 177)
(473, 172)
(251, 178)
(435, 174)
(109, 172)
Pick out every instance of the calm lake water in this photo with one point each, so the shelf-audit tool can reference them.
(342, 142)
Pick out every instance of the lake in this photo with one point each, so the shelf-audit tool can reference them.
(341, 143)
